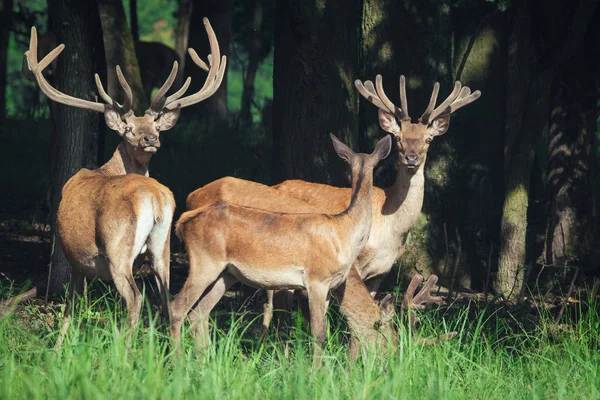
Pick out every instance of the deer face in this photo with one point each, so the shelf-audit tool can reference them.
(413, 139)
(141, 133)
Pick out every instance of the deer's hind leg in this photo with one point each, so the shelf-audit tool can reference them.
(160, 250)
(203, 272)
(199, 316)
(318, 303)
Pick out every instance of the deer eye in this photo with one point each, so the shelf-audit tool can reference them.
(428, 140)
(127, 129)
(157, 128)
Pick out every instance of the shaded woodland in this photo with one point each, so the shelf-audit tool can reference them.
(511, 190)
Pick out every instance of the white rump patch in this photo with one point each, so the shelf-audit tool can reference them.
(145, 223)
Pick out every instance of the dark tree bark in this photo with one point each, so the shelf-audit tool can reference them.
(316, 53)
(533, 65)
(133, 17)
(77, 25)
(570, 231)
(120, 50)
(258, 49)
(214, 109)
(6, 7)
(182, 33)
(480, 63)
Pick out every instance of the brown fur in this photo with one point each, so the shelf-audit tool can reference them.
(395, 211)
(110, 218)
(97, 220)
(272, 250)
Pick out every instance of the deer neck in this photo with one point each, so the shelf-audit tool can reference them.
(404, 199)
(358, 216)
(124, 162)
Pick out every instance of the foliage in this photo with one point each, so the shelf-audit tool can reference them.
(491, 359)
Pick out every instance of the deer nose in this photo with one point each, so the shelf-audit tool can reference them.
(150, 139)
(411, 158)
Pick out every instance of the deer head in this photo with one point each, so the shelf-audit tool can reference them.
(140, 134)
(414, 138)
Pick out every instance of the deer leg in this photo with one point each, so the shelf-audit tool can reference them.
(267, 314)
(199, 279)
(76, 287)
(317, 303)
(129, 291)
(199, 316)
(160, 249)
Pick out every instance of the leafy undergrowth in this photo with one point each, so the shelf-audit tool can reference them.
(494, 356)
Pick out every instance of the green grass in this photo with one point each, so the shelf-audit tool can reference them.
(492, 358)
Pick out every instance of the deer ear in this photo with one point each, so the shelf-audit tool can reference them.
(388, 122)
(387, 309)
(168, 119)
(113, 119)
(382, 148)
(341, 149)
(440, 125)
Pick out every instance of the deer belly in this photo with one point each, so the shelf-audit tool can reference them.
(267, 278)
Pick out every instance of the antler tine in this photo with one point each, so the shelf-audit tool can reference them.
(434, 94)
(424, 295)
(126, 107)
(403, 101)
(464, 100)
(180, 92)
(157, 103)
(367, 91)
(216, 72)
(382, 96)
(444, 106)
(103, 93)
(410, 291)
(52, 93)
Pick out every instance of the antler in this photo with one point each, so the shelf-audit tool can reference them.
(424, 296)
(419, 302)
(216, 71)
(377, 96)
(36, 69)
(457, 99)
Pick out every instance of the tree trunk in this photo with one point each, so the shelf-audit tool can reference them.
(77, 25)
(120, 50)
(531, 72)
(255, 56)
(214, 109)
(569, 230)
(316, 52)
(182, 34)
(133, 17)
(480, 63)
(6, 7)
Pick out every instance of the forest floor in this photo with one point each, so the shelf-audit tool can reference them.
(526, 350)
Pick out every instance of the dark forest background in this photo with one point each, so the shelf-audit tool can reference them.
(512, 188)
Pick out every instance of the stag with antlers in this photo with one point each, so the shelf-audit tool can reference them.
(111, 218)
(395, 209)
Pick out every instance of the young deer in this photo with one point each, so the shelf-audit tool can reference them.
(226, 243)
(395, 209)
(114, 216)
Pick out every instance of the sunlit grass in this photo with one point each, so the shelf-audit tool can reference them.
(491, 358)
